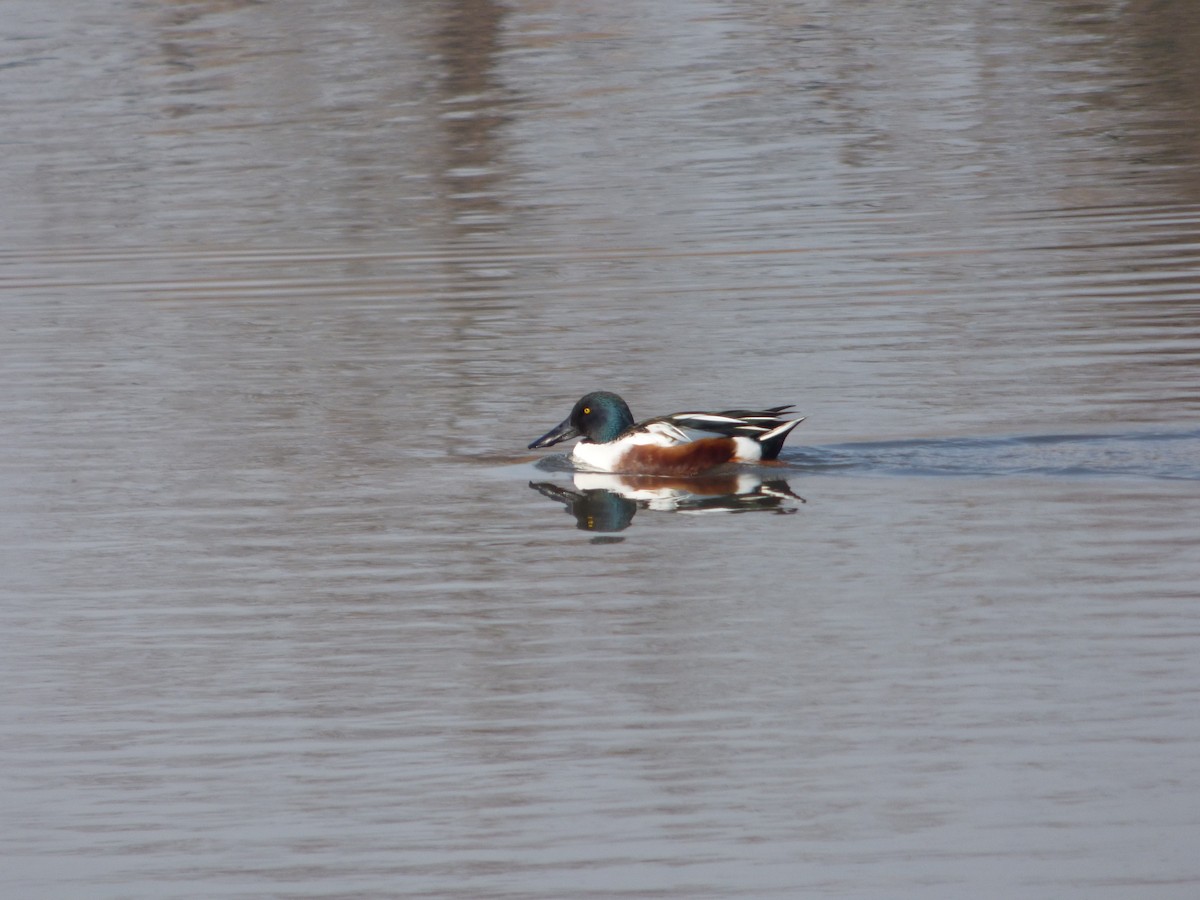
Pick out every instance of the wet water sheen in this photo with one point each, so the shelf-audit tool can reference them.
(287, 609)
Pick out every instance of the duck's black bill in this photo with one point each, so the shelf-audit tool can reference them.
(563, 431)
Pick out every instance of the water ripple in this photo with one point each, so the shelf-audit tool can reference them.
(1156, 454)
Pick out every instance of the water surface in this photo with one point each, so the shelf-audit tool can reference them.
(286, 290)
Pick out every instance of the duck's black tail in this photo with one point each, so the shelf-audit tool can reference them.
(772, 441)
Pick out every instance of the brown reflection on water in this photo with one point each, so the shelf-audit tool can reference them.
(1160, 43)
(323, 122)
(1043, 98)
(471, 112)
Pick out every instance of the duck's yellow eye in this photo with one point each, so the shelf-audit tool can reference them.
(587, 410)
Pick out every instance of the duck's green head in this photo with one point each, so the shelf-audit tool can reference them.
(600, 416)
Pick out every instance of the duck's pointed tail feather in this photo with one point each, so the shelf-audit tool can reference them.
(772, 441)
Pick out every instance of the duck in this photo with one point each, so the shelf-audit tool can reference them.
(614, 442)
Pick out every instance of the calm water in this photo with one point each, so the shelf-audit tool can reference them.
(287, 610)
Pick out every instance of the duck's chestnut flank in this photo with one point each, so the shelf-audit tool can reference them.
(692, 458)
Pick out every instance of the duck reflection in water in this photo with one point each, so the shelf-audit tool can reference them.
(603, 502)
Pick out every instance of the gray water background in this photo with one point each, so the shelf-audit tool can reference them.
(285, 290)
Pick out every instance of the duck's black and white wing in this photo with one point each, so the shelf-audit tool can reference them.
(732, 422)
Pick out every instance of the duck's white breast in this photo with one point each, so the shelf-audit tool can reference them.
(601, 457)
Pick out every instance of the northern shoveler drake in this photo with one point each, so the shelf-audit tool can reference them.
(613, 442)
